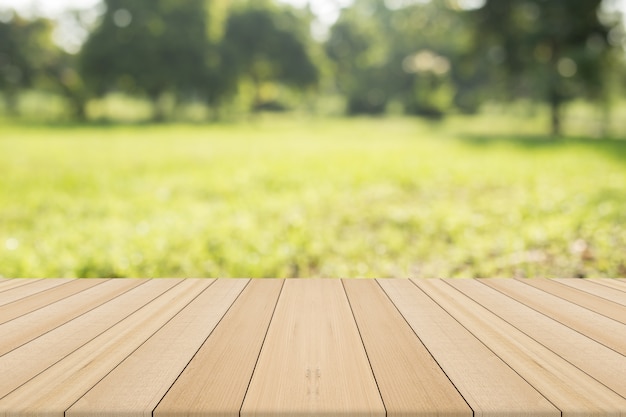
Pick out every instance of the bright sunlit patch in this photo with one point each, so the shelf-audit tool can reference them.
(12, 244)
(426, 61)
(6, 16)
(465, 4)
(579, 246)
(399, 4)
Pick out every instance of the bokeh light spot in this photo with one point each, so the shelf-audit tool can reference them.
(122, 18)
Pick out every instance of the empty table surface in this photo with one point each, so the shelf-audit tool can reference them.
(312, 347)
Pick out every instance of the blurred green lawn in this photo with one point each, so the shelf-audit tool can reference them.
(332, 198)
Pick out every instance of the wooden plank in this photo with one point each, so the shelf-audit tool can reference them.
(611, 294)
(17, 332)
(42, 299)
(313, 362)
(589, 301)
(597, 360)
(55, 389)
(215, 381)
(571, 390)
(607, 331)
(488, 384)
(15, 282)
(136, 386)
(609, 282)
(23, 291)
(410, 381)
(30, 359)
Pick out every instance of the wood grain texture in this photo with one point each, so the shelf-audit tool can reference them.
(600, 362)
(610, 294)
(14, 283)
(136, 386)
(409, 379)
(488, 384)
(327, 348)
(572, 391)
(581, 298)
(22, 291)
(17, 332)
(216, 380)
(598, 327)
(53, 391)
(313, 362)
(613, 283)
(36, 301)
(50, 347)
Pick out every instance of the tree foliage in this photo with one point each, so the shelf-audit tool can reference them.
(416, 55)
(149, 47)
(360, 59)
(425, 58)
(551, 50)
(25, 50)
(268, 44)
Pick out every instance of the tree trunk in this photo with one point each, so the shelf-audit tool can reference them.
(215, 112)
(158, 110)
(555, 110)
(555, 97)
(80, 110)
(605, 129)
(258, 99)
(77, 103)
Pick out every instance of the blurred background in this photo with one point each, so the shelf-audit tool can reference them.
(294, 138)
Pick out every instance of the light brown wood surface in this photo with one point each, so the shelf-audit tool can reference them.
(217, 378)
(41, 352)
(486, 382)
(20, 292)
(313, 362)
(596, 326)
(41, 299)
(581, 298)
(136, 386)
(597, 360)
(594, 288)
(571, 390)
(613, 283)
(17, 332)
(14, 283)
(291, 348)
(54, 390)
(409, 379)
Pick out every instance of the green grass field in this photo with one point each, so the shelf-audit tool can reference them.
(279, 198)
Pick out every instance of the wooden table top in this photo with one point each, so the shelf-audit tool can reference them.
(226, 347)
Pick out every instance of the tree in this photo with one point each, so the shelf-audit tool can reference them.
(429, 51)
(411, 53)
(149, 47)
(264, 43)
(61, 76)
(552, 50)
(359, 48)
(25, 49)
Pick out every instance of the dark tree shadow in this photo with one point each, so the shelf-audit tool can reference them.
(612, 146)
